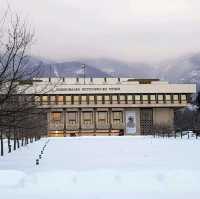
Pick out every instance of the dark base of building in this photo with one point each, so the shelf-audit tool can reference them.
(84, 133)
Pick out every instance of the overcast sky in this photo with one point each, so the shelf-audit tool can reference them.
(130, 30)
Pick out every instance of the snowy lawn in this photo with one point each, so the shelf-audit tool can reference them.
(103, 168)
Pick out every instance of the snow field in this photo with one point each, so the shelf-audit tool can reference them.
(103, 167)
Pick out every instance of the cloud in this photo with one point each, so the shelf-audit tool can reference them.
(123, 29)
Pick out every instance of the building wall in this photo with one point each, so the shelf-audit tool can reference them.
(163, 116)
(95, 127)
(86, 121)
(111, 85)
(150, 102)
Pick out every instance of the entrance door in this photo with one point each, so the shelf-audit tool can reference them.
(146, 121)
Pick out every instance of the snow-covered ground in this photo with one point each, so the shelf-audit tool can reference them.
(103, 168)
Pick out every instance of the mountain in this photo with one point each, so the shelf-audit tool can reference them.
(94, 68)
(184, 69)
(47, 68)
(70, 69)
(123, 69)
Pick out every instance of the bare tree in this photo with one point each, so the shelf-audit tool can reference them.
(16, 38)
(186, 119)
(20, 117)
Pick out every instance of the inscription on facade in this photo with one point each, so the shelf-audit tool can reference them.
(89, 89)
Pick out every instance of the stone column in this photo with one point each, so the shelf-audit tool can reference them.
(64, 112)
(110, 119)
(95, 122)
(79, 120)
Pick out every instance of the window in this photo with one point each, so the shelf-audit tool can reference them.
(68, 99)
(72, 117)
(87, 117)
(107, 99)
(168, 97)
(99, 99)
(76, 99)
(60, 100)
(44, 100)
(153, 98)
(145, 98)
(117, 117)
(137, 99)
(175, 98)
(144, 81)
(122, 98)
(91, 99)
(114, 99)
(183, 98)
(102, 117)
(52, 99)
(129, 97)
(56, 116)
(160, 97)
(83, 99)
(37, 100)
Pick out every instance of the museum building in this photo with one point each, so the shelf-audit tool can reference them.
(108, 106)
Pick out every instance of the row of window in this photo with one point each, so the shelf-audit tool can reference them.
(111, 99)
(88, 117)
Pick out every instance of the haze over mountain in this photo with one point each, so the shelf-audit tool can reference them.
(48, 68)
(185, 69)
(70, 69)
(123, 69)
(94, 68)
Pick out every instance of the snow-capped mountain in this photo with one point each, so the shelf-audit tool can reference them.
(64, 69)
(184, 69)
(120, 68)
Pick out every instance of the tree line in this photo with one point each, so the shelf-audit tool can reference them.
(20, 121)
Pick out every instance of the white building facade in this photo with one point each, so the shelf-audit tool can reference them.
(108, 106)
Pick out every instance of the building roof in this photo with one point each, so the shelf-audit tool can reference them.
(104, 85)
